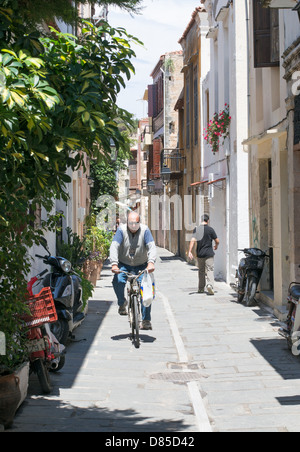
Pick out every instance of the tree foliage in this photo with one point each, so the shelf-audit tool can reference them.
(35, 11)
(57, 101)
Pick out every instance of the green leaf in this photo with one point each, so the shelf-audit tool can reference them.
(85, 117)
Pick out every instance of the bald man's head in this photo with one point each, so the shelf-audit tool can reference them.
(133, 222)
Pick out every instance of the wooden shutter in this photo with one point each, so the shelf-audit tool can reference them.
(152, 101)
(196, 105)
(150, 164)
(266, 36)
(275, 51)
(156, 157)
(188, 105)
(133, 173)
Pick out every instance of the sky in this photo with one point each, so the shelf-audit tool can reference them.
(159, 27)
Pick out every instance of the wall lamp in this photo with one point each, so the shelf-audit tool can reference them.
(165, 175)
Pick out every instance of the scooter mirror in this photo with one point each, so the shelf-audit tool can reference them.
(44, 244)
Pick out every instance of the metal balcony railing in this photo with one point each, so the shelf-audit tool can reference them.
(174, 160)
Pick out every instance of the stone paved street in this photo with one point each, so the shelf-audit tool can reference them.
(209, 364)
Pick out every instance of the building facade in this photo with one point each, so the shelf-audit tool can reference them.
(273, 146)
(164, 154)
(241, 64)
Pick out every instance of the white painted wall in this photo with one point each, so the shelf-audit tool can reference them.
(227, 82)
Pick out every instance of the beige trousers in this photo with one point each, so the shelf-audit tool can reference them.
(206, 272)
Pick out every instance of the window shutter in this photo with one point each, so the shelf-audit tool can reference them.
(156, 157)
(266, 36)
(297, 121)
(150, 101)
(187, 130)
(150, 164)
(133, 173)
(275, 51)
(196, 105)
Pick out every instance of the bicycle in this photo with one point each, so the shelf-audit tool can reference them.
(134, 305)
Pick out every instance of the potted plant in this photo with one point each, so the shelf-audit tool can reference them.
(218, 128)
(73, 249)
(14, 368)
(97, 244)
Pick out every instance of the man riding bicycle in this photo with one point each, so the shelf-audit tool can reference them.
(132, 250)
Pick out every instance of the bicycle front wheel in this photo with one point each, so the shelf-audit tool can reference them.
(135, 321)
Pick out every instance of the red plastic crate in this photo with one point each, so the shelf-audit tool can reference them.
(42, 309)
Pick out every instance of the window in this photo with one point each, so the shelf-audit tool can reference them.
(188, 125)
(266, 36)
(297, 121)
(152, 101)
(196, 105)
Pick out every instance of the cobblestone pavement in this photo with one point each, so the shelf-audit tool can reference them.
(209, 364)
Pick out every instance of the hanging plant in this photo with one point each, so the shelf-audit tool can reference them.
(218, 128)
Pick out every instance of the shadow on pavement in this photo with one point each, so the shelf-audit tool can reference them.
(92, 419)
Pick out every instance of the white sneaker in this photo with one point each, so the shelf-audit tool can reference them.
(210, 290)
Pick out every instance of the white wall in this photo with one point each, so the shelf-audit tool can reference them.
(227, 82)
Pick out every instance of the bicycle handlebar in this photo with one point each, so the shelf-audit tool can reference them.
(130, 275)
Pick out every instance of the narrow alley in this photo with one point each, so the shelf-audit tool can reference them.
(209, 364)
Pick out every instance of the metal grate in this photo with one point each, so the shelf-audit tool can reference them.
(174, 377)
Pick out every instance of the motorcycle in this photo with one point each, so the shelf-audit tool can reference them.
(45, 353)
(291, 331)
(249, 274)
(66, 289)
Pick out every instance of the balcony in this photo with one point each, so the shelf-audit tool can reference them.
(174, 160)
(146, 138)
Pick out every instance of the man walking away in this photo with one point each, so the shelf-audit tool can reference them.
(204, 236)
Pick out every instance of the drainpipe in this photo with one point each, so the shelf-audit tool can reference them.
(165, 145)
(249, 111)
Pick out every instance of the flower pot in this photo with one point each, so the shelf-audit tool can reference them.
(96, 267)
(13, 392)
(92, 270)
(86, 269)
(10, 397)
(23, 374)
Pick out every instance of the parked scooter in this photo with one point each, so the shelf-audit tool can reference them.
(66, 289)
(249, 274)
(291, 332)
(45, 352)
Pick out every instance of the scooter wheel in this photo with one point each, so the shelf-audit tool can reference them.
(250, 295)
(61, 330)
(42, 372)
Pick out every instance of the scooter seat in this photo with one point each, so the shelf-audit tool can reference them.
(295, 292)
